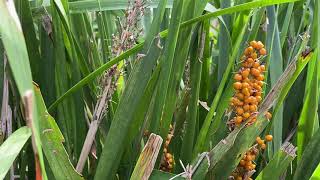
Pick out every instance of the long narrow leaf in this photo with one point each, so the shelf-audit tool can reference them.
(15, 46)
(52, 140)
(279, 163)
(132, 96)
(310, 159)
(225, 156)
(11, 148)
(126, 54)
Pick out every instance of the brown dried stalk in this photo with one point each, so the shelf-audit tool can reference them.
(97, 117)
(147, 159)
(5, 101)
(127, 40)
(28, 107)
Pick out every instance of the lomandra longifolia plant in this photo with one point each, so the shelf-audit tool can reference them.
(159, 89)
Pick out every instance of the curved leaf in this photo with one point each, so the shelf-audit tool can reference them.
(15, 47)
(126, 54)
(52, 140)
(310, 159)
(279, 163)
(11, 148)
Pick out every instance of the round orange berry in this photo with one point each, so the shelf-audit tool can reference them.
(245, 91)
(253, 156)
(248, 158)
(262, 68)
(238, 119)
(263, 51)
(170, 160)
(259, 45)
(240, 103)
(260, 83)
(242, 162)
(253, 108)
(258, 139)
(255, 65)
(253, 43)
(245, 64)
(257, 87)
(246, 80)
(245, 85)
(168, 155)
(258, 98)
(245, 73)
(254, 119)
(269, 137)
(246, 100)
(238, 77)
(260, 77)
(248, 163)
(260, 142)
(239, 111)
(254, 55)
(247, 168)
(252, 99)
(165, 150)
(246, 107)
(237, 85)
(255, 72)
(234, 100)
(246, 115)
(250, 60)
(240, 96)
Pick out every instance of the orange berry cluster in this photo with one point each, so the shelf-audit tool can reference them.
(247, 164)
(249, 81)
(167, 161)
(262, 143)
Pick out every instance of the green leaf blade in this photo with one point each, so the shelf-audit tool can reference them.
(11, 148)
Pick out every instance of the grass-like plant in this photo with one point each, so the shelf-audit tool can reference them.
(159, 89)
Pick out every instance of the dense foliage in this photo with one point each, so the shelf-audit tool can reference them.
(159, 89)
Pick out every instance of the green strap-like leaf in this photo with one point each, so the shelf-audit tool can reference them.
(201, 139)
(157, 175)
(15, 47)
(310, 159)
(279, 163)
(52, 139)
(225, 156)
(10, 149)
(94, 5)
(128, 105)
(308, 117)
(308, 121)
(195, 79)
(89, 78)
(275, 63)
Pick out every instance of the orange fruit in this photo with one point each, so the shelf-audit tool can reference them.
(269, 137)
(237, 85)
(239, 111)
(259, 45)
(263, 51)
(237, 77)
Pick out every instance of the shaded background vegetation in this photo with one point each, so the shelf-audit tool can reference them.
(115, 71)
